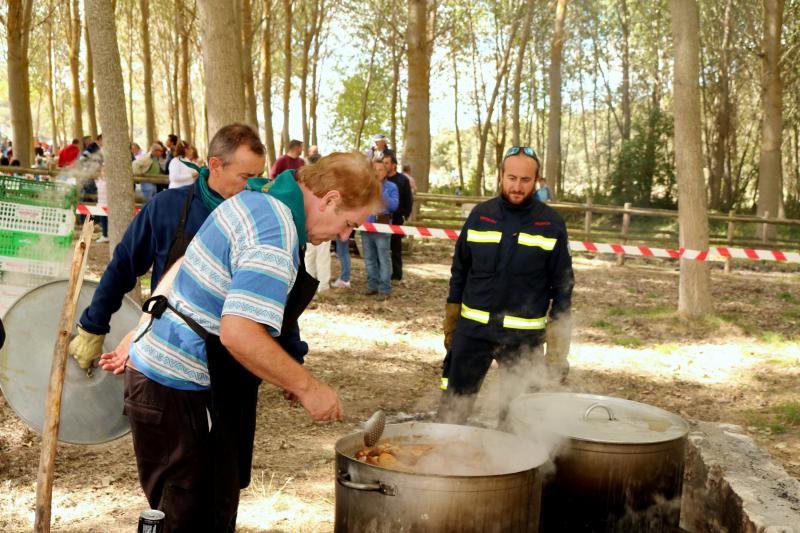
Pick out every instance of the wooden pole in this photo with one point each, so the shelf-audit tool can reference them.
(626, 222)
(728, 260)
(587, 221)
(52, 415)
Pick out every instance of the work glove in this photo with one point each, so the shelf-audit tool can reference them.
(86, 347)
(451, 314)
(558, 335)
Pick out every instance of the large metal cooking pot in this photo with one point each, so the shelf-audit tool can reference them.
(619, 463)
(372, 499)
(91, 403)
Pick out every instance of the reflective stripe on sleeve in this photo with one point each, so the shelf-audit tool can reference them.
(483, 236)
(474, 314)
(443, 385)
(545, 243)
(515, 322)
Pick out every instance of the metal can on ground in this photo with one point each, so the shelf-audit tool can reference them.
(151, 521)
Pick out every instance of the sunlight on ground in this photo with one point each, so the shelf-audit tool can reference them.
(429, 270)
(268, 504)
(702, 363)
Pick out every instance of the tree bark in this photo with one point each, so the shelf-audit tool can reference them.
(147, 71)
(309, 23)
(287, 73)
(111, 96)
(73, 28)
(459, 155)
(418, 129)
(130, 70)
(18, 30)
(91, 109)
(553, 157)
(223, 66)
(266, 84)
(365, 98)
(51, 89)
(770, 174)
(314, 98)
(723, 120)
(519, 63)
(248, 82)
(184, 34)
(694, 298)
(624, 25)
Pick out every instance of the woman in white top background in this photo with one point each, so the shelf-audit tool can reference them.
(180, 174)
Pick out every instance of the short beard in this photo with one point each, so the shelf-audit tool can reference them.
(525, 200)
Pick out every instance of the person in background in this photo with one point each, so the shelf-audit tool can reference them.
(137, 152)
(149, 166)
(411, 180)
(318, 256)
(312, 154)
(69, 154)
(543, 191)
(379, 148)
(511, 269)
(400, 214)
(291, 160)
(181, 174)
(377, 256)
(102, 201)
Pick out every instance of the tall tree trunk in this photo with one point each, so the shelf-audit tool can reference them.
(314, 98)
(418, 123)
(553, 157)
(147, 71)
(770, 174)
(111, 96)
(624, 25)
(183, 75)
(248, 82)
(459, 155)
(266, 84)
(130, 71)
(91, 109)
(74, 39)
(223, 66)
(723, 118)
(365, 98)
(287, 73)
(519, 63)
(309, 26)
(18, 30)
(694, 298)
(175, 76)
(51, 89)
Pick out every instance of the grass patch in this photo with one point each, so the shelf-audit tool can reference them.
(792, 313)
(658, 311)
(779, 419)
(606, 326)
(629, 342)
(775, 339)
(618, 311)
(666, 349)
(788, 413)
(789, 298)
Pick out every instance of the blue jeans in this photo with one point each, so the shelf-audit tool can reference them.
(343, 253)
(148, 191)
(378, 261)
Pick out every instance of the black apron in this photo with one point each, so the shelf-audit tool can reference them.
(180, 241)
(234, 395)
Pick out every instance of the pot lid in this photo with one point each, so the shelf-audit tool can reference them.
(91, 405)
(594, 418)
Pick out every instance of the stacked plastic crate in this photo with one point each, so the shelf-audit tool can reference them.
(37, 219)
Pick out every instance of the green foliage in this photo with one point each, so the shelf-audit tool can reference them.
(644, 172)
(349, 102)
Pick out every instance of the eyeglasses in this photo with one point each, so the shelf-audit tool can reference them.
(527, 150)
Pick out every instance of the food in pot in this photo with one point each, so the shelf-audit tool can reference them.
(439, 458)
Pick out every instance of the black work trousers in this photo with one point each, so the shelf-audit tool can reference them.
(466, 364)
(172, 443)
(396, 246)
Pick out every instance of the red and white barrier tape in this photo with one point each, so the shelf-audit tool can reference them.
(575, 246)
(605, 248)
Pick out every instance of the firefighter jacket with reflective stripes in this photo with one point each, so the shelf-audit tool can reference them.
(511, 268)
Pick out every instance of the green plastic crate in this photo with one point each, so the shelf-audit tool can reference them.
(43, 193)
(34, 246)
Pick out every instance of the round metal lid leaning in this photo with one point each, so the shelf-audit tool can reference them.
(91, 408)
(594, 418)
(151, 521)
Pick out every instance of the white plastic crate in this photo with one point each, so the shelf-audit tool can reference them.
(36, 219)
(52, 269)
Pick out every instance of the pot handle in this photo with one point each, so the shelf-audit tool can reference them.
(594, 406)
(344, 479)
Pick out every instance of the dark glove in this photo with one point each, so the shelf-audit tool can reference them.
(451, 314)
(558, 335)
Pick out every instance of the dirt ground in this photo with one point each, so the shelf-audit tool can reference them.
(740, 365)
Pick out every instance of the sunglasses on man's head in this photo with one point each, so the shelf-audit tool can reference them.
(527, 150)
